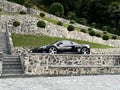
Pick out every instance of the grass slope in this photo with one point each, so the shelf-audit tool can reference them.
(34, 41)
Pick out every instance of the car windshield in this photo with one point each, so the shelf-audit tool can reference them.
(65, 42)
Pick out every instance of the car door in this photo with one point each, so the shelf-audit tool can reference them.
(66, 46)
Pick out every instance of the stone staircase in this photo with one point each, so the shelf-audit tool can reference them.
(12, 66)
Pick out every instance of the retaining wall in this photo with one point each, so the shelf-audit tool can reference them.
(45, 64)
(20, 50)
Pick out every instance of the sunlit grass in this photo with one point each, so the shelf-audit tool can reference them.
(35, 41)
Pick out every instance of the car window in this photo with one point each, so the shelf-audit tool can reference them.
(66, 43)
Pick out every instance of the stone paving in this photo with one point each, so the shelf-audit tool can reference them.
(107, 82)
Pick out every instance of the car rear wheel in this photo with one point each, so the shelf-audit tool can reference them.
(85, 51)
(52, 50)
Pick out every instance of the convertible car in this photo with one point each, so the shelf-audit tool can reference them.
(63, 46)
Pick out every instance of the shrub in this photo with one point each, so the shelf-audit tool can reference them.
(59, 23)
(83, 30)
(90, 29)
(16, 23)
(71, 14)
(70, 28)
(27, 5)
(82, 21)
(72, 21)
(104, 32)
(98, 35)
(0, 9)
(92, 33)
(93, 25)
(42, 7)
(105, 37)
(22, 12)
(106, 28)
(41, 24)
(114, 37)
(42, 14)
(57, 9)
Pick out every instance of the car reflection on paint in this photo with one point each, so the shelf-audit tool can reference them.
(63, 46)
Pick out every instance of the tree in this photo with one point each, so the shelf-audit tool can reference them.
(114, 11)
(22, 2)
(57, 9)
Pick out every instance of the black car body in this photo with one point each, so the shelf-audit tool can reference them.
(63, 46)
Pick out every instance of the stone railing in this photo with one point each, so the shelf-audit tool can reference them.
(45, 64)
(9, 39)
(1, 59)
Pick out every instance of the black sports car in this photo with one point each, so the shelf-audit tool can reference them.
(63, 46)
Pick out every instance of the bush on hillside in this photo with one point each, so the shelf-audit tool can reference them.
(70, 28)
(59, 23)
(22, 12)
(72, 21)
(82, 21)
(57, 9)
(106, 28)
(92, 33)
(0, 9)
(42, 14)
(93, 25)
(41, 24)
(71, 15)
(114, 37)
(83, 30)
(105, 37)
(90, 29)
(105, 32)
(27, 5)
(98, 35)
(16, 23)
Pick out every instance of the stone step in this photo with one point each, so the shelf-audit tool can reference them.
(12, 67)
(12, 75)
(11, 63)
(12, 70)
(12, 60)
(9, 56)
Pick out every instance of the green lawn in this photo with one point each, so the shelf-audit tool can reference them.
(34, 41)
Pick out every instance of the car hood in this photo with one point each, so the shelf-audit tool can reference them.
(42, 47)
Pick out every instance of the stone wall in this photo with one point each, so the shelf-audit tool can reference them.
(20, 50)
(45, 64)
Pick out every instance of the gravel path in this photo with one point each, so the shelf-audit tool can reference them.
(107, 82)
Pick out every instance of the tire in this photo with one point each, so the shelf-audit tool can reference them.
(52, 50)
(85, 50)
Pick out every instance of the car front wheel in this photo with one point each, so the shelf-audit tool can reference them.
(85, 50)
(52, 50)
